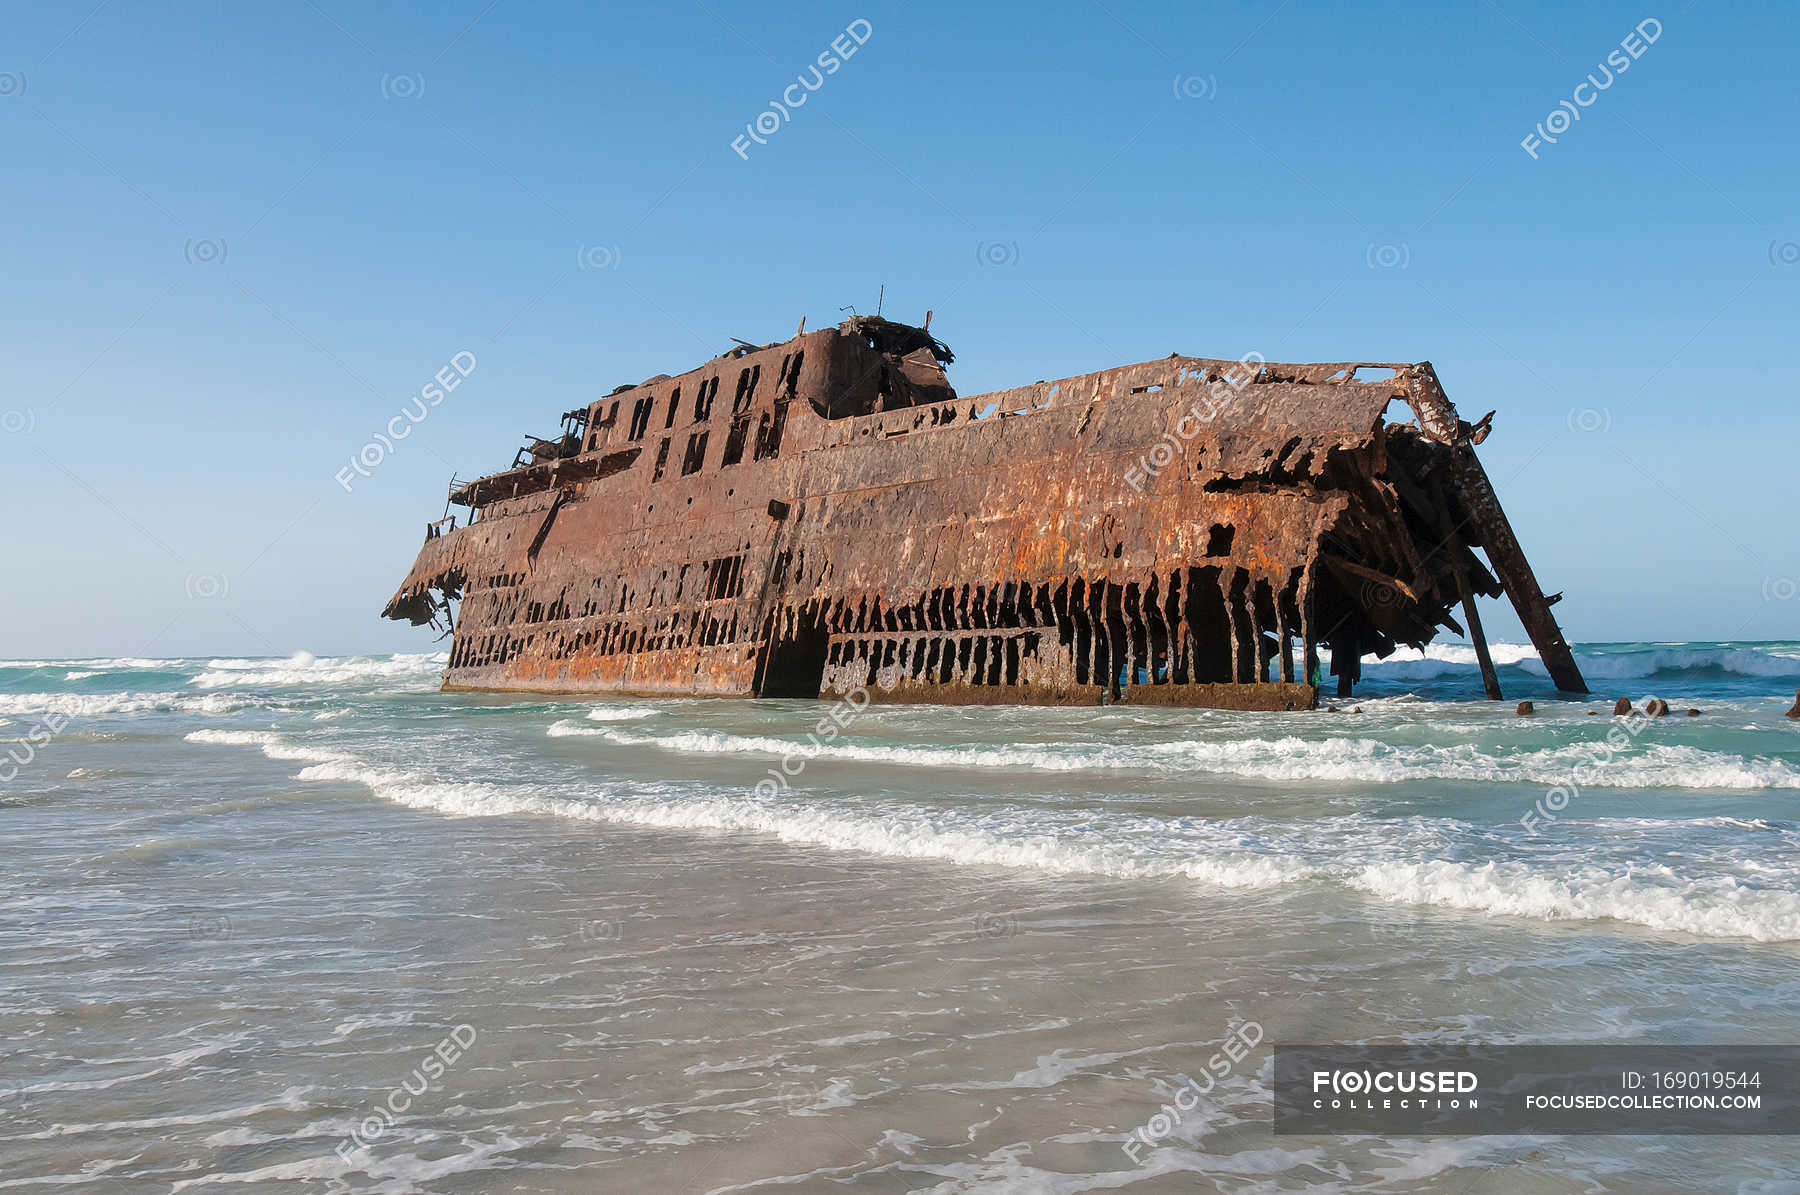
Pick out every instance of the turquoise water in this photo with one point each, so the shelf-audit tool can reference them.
(718, 943)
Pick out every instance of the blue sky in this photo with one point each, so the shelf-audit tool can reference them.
(238, 238)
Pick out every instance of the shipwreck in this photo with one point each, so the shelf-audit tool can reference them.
(825, 514)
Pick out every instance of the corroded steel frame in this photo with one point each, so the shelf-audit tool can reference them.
(824, 514)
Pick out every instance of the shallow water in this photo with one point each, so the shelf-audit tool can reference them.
(705, 945)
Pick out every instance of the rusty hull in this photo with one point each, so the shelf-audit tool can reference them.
(825, 514)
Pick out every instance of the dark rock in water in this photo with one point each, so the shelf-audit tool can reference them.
(1795, 712)
(1656, 707)
(1693, 713)
(1358, 709)
(1526, 709)
(1622, 707)
(1331, 709)
(1593, 713)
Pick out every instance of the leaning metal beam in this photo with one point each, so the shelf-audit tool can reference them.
(1438, 419)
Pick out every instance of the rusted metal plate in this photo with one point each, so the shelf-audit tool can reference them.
(825, 514)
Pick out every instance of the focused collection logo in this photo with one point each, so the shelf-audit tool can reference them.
(1482, 1089)
(1403, 1089)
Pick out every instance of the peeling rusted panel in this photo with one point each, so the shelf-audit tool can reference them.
(825, 514)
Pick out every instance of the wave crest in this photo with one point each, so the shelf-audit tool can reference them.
(1357, 760)
(1716, 909)
(1442, 659)
(91, 705)
(1221, 854)
(304, 668)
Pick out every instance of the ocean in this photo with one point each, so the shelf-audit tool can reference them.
(309, 924)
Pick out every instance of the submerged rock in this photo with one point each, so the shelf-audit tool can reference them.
(1526, 709)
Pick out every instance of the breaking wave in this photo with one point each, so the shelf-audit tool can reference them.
(1236, 854)
(566, 729)
(273, 745)
(897, 833)
(1442, 659)
(1672, 660)
(1737, 661)
(1358, 760)
(88, 705)
(1721, 908)
(116, 664)
(306, 669)
(620, 713)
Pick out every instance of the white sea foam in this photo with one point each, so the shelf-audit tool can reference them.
(1718, 909)
(399, 1171)
(903, 834)
(565, 728)
(1439, 659)
(272, 744)
(620, 713)
(1219, 854)
(104, 665)
(86, 705)
(1358, 760)
(306, 669)
(1742, 661)
(891, 833)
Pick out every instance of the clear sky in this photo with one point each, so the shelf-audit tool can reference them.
(237, 238)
